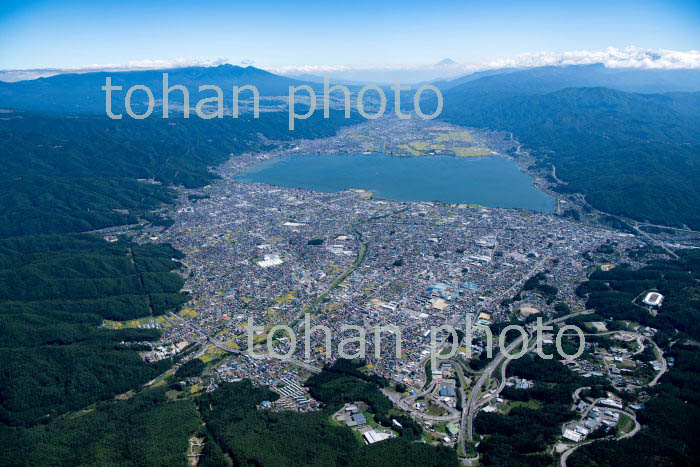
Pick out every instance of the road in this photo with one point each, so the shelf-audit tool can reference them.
(475, 402)
(577, 393)
(565, 455)
(664, 365)
(463, 396)
(653, 241)
(406, 403)
(222, 345)
(640, 339)
(554, 175)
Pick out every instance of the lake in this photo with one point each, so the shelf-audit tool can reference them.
(488, 181)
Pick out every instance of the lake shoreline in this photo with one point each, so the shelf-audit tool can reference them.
(491, 181)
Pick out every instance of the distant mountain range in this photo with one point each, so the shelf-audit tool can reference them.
(446, 61)
(512, 81)
(81, 92)
(332, 80)
(628, 139)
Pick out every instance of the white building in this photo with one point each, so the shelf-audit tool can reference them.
(572, 435)
(653, 299)
(374, 436)
(270, 260)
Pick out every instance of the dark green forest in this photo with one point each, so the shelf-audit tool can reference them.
(190, 369)
(260, 437)
(670, 434)
(65, 174)
(54, 293)
(636, 155)
(143, 430)
(615, 295)
(521, 436)
(151, 429)
(71, 93)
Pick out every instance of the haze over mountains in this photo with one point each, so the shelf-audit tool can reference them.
(81, 92)
(189, 279)
(625, 138)
(551, 78)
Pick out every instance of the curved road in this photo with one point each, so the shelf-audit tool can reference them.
(474, 402)
(640, 338)
(565, 455)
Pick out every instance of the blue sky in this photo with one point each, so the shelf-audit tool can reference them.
(39, 34)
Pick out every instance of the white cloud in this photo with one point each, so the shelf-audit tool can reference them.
(315, 69)
(180, 62)
(629, 57)
(386, 74)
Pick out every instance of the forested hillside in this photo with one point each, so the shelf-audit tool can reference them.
(636, 155)
(153, 428)
(54, 293)
(670, 434)
(60, 370)
(613, 293)
(144, 430)
(82, 92)
(520, 436)
(546, 79)
(65, 174)
(258, 437)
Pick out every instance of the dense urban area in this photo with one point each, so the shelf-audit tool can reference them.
(264, 256)
(515, 282)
